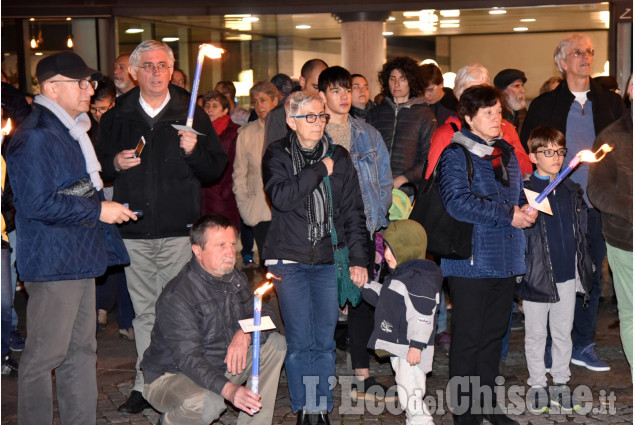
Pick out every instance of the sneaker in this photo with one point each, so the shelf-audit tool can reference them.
(9, 367)
(537, 400)
(548, 360)
(370, 389)
(16, 342)
(518, 323)
(563, 400)
(127, 334)
(102, 318)
(248, 262)
(586, 357)
(443, 340)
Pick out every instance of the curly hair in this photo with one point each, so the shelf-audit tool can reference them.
(409, 68)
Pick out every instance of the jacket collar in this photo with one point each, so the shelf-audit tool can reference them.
(398, 106)
(232, 281)
(176, 109)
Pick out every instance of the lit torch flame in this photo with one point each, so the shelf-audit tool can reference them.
(210, 51)
(264, 288)
(6, 130)
(590, 156)
(270, 275)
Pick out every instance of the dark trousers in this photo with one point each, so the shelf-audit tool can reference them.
(259, 232)
(112, 288)
(585, 318)
(479, 320)
(246, 239)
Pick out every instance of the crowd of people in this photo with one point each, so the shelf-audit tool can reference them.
(116, 202)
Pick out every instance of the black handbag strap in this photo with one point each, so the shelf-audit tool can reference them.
(468, 161)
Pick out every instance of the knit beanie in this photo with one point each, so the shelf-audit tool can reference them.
(407, 240)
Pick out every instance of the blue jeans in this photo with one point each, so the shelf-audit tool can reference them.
(6, 295)
(585, 318)
(442, 315)
(308, 302)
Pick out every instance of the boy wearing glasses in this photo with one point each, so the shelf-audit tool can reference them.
(558, 267)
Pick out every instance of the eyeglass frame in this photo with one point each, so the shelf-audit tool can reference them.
(149, 67)
(561, 152)
(91, 83)
(306, 117)
(102, 110)
(578, 53)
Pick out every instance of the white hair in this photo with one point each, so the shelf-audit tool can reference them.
(468, 76)
(146, 46)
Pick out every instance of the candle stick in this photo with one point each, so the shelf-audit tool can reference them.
(582, 156)
(255, 361)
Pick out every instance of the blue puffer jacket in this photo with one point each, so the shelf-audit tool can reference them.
(497, 246)
(60, 236)
(371, 160)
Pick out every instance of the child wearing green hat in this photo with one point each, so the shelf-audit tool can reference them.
(405, 310)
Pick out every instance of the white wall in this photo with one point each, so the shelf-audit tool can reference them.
(531, 53)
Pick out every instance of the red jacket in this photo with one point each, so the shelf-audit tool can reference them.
(443, 136)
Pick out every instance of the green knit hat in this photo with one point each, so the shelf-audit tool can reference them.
(407, 240)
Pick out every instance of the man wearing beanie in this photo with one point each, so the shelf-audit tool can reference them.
(61, 242)
(405, 310)
(511, 82)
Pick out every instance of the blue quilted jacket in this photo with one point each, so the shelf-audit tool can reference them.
(497, 247)
(60, 236)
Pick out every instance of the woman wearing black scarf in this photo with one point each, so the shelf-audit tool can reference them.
(482, 286)
(298, 248)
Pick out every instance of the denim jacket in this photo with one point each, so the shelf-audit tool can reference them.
(372, 162)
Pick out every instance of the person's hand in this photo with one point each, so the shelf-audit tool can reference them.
(126, 159)
(359, 275)
(188, 141)
(414, 356)
(113, 212)
(242, 398)
(397, 182)
(236, 358)
(523, 218)
(329, 165)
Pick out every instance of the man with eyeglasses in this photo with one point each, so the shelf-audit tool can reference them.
(159, 171)
(61, 245)
(579, 108)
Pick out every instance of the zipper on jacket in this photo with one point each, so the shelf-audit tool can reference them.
(394, 130)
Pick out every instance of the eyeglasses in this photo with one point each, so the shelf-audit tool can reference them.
(83, 83)
(311, 118)
(150, 67)
(101, 110)
(580, 53)
(551, 152)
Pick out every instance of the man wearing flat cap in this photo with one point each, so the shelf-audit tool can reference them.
(511, 82)
(62, 247)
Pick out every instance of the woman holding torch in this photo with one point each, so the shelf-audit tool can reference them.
(299, 251)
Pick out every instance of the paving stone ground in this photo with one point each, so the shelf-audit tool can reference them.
(610, 394)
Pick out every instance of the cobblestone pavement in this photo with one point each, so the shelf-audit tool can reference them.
(608, 395)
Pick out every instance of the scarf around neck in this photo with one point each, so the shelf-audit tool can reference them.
(318, 203)
(221, 123)
(498, 151)
(78, 130)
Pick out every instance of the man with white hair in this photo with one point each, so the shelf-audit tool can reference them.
(61, 244)
(580, 108)
(162, 180)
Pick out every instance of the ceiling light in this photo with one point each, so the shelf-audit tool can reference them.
(32, 19)
(38, 53)
(69, 42)
(528, 20)
(412, 14)
(33, 43)
(169, 39)
(387, 33)
(303, 27)
(497, 11)
(605, 16)
(449, 21)
(134, 30)
(251, 19)
(391, 18)
(239, 15)
(450, 13)
(449, 25)
(521, 29)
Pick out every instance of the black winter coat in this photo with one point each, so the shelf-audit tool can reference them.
(167, 184)
(287, 238)
(538, 284)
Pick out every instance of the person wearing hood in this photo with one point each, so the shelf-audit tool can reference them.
(405, 311)
(405, 121)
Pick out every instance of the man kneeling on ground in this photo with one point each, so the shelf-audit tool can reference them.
(198, 355)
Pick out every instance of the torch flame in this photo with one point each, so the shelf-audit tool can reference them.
(264, 288)
(7, 128)
(211, 52)
(589, 156)
(270, 275)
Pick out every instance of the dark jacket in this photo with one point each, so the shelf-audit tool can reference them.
(497, 246)
(405, 307)
(197, 316)
(287, 238)
(60, 236)
(406, 129)
(551, 109)
(538, 284)
(167, 184)
(610, 187)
